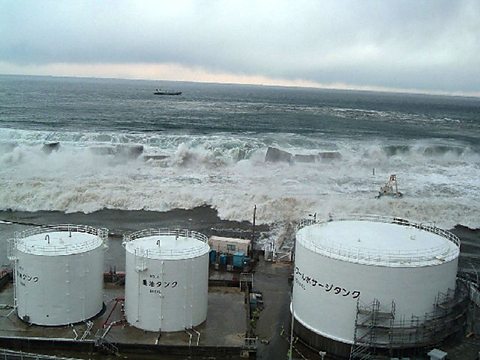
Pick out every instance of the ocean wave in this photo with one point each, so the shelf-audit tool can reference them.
(92, 171)
(227, 147)
(427, 150)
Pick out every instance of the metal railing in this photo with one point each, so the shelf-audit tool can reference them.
(18, 242)
(177, 233)
(387, 256)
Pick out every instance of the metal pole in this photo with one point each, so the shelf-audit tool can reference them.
(474, 304)
(290, 351)
(253, 226)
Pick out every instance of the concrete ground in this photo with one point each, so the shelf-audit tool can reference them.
(226, 322)
(273, 322)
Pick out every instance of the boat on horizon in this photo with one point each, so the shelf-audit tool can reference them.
(166, 92)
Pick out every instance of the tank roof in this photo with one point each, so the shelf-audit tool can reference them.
(58, 243)
(167, 245)
(380, 241)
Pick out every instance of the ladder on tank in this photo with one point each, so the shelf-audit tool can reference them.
(141, 260)
(12, 249)
(13, 256)
(370, 324)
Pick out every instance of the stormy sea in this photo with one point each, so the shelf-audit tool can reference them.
(110, 153)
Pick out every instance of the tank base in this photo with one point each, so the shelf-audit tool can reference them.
(321, 343)
(26, 319)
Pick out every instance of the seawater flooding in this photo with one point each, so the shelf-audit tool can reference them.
(112, 144)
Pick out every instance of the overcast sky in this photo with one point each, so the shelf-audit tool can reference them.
(428, 46)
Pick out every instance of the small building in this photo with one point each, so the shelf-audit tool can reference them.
(228, 245)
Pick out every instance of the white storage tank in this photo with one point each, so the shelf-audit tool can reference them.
(166, 285)
(364, 260)
(58, 273)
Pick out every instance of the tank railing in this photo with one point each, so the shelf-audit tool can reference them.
(178, 253)
(64, 249)
(19, 244)
(440, 253)
(100, 232)
(164, 232)
(384, 219)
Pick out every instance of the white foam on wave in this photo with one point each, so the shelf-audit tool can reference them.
(228, 172)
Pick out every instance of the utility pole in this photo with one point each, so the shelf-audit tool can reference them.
(290, 350)
(474, 303)
(253, 227)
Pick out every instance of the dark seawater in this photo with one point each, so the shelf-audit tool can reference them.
(124, 106)
(123, 148)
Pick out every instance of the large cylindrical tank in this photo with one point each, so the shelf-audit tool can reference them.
(166, 285)
(342, 265)
(58, 273)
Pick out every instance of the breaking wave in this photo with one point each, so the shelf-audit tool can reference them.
(85, 172)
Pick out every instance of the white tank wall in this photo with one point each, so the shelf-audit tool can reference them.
(330, 310)
(169, 295)
(59, 290)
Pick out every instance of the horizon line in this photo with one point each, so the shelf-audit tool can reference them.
(285, 84)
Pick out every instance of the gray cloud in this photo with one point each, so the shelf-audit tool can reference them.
(429, 45)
